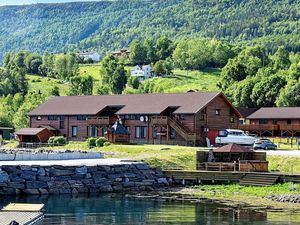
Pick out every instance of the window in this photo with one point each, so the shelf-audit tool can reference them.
(218, 112)
(231, 113)
(52, 117)
(94, 131)
(137, 132)
(143, 132)
(38, 118)
(74, 131)
(289, 121)
(172, 133)
(202, 117)
(81, 117)
(155, 132)
(263, 121)
(231, 119)
(61, 122)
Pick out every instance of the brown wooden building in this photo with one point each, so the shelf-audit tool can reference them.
(180, 118)
(279, 121)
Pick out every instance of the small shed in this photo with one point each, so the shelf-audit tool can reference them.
(232, 157)
(118, 133)
(34, 135)
(5, 132)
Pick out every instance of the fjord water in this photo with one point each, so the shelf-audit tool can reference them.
(118, 209)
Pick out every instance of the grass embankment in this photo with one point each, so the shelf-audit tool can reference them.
(235, 194)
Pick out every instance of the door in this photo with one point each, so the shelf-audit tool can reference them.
(212, 134)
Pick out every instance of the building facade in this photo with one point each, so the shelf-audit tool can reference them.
(142, 72)
(183, 118)
(277, 121)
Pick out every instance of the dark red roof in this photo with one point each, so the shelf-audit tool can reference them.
(30, 131)
(233, 148)
(276, 113)
(187, 103)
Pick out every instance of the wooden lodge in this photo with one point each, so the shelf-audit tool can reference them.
(232, 157)
(179, 118)
(279, 121)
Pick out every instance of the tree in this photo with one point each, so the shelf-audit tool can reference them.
(80, 85)
(281, 59)
(32, 62)
(134, 82)
(103, 90)
(266, 91)
(118, 80)
(138, 54)
(243, 91)
(149, 47)
(164, 48)
(159, 68)
(55, 91)
(290, 95)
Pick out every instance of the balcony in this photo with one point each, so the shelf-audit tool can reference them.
(159, 120)
(259, 127)
(290, 127)
(94, 120)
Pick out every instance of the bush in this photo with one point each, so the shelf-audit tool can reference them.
(91, 142)
(106, 144)
(59, 140)
(101, 141)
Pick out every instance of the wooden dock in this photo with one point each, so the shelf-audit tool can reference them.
(244, 178)
(21, 214)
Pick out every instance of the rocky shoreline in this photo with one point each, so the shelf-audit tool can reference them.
(285, 198)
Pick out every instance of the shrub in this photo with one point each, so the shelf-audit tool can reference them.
(59, 140)
(106, 144)
(91, 142)
(101, 141)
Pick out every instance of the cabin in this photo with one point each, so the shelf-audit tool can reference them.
(34, 135)
(179, 118)
(279, 121)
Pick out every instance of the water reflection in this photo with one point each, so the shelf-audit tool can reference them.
(117, 209)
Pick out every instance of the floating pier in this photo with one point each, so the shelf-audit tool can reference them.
(21, 214)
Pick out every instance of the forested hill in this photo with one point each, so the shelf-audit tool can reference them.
(108, 25)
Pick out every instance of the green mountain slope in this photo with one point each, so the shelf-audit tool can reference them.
(108, 25)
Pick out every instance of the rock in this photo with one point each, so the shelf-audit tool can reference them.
(41, 172)
(142, 166)
(43, 191)
(74, 192)
(106, 188)
(4, 177)
(61, 172)
(28, 175)
(31, 191)
(162, 181)
(81, 170)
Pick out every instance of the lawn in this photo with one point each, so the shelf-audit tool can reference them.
(175, 157)
(183, 80)
(45, 84)
(90, 69)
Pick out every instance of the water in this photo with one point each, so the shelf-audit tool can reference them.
(117, 209)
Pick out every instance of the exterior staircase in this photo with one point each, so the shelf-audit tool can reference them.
(259, 179)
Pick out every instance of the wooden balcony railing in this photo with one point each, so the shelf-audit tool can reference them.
(94, 120)
(259, 127)
(290, 127)
(159, 120)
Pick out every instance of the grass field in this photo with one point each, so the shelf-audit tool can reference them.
(45, 84)
(183, 80)
(90, 69)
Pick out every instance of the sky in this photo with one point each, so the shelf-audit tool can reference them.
(23, 2)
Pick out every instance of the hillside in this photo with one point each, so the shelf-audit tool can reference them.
(180, 81)
(108, 25)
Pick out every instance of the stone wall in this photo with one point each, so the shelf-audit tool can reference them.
(36, 180)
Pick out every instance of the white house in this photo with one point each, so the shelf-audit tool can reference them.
(90, 55)
(142, 72)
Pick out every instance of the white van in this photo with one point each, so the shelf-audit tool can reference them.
(233, 136)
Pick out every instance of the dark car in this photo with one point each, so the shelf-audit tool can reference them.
(265, 144)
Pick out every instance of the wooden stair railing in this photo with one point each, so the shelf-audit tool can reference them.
(179, 128)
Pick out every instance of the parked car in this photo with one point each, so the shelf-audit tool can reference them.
(233, 136)
(265, 144)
